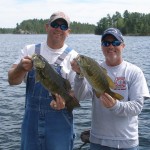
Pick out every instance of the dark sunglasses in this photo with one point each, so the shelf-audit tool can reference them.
(55, 25)
(107, 43)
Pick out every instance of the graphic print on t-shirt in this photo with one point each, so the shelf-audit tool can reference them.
(120, 83)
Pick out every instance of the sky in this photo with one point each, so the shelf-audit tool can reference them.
(83, 11)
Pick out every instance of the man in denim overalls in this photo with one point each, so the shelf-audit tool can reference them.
(44, 127)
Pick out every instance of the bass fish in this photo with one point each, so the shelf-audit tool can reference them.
(96, 76)
(52, 81)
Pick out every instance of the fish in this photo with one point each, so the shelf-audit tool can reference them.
(96, 76)
(46, 74)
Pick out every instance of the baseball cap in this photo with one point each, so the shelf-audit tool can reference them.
(59, 15)
(113, 31)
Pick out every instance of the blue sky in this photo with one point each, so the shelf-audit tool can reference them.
(84, 11)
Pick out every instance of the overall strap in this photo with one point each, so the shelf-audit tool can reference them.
(37, 48)
(62, 56)
(37, 51)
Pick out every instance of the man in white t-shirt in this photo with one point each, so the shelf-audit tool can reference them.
(45, 127)
(114, 123)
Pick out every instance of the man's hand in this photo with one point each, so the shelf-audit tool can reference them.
(18, 71)
(25, 64)
(107, 100)
(75, 67)
(59, 103)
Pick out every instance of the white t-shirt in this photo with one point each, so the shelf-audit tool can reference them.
(51, 56)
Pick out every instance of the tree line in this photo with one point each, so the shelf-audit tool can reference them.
(130, 23)
(37, 26)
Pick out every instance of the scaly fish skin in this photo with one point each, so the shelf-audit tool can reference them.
(52, 81)
(96, 76)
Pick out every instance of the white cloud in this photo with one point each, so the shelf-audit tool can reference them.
(85, 11)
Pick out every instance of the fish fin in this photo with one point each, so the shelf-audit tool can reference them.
(37, 77)
(115, 95)
(104, 70)
(110, 82)
(72, 103)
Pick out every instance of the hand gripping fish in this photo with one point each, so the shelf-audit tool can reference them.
(96, 76)
(53, 82)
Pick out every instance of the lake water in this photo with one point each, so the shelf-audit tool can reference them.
(12, 97)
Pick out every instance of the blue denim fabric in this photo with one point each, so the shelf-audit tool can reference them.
(94, 146)
(44, 128)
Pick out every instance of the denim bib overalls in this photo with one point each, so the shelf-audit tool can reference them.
(44, 128)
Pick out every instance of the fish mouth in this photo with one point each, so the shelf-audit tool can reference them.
(37, 61)
(78, 58)
(34, 57)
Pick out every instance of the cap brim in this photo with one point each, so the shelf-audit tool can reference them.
(103, 36)
(60, 19)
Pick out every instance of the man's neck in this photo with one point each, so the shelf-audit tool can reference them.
(114, 63)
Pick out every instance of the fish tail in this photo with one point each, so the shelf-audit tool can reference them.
(72, 103)
(116, 95)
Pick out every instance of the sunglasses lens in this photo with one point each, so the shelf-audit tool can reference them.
(63, 27)
(107, 43)
(116, 43)
(54, 25)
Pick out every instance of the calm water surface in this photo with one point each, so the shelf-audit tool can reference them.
(12, 97)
